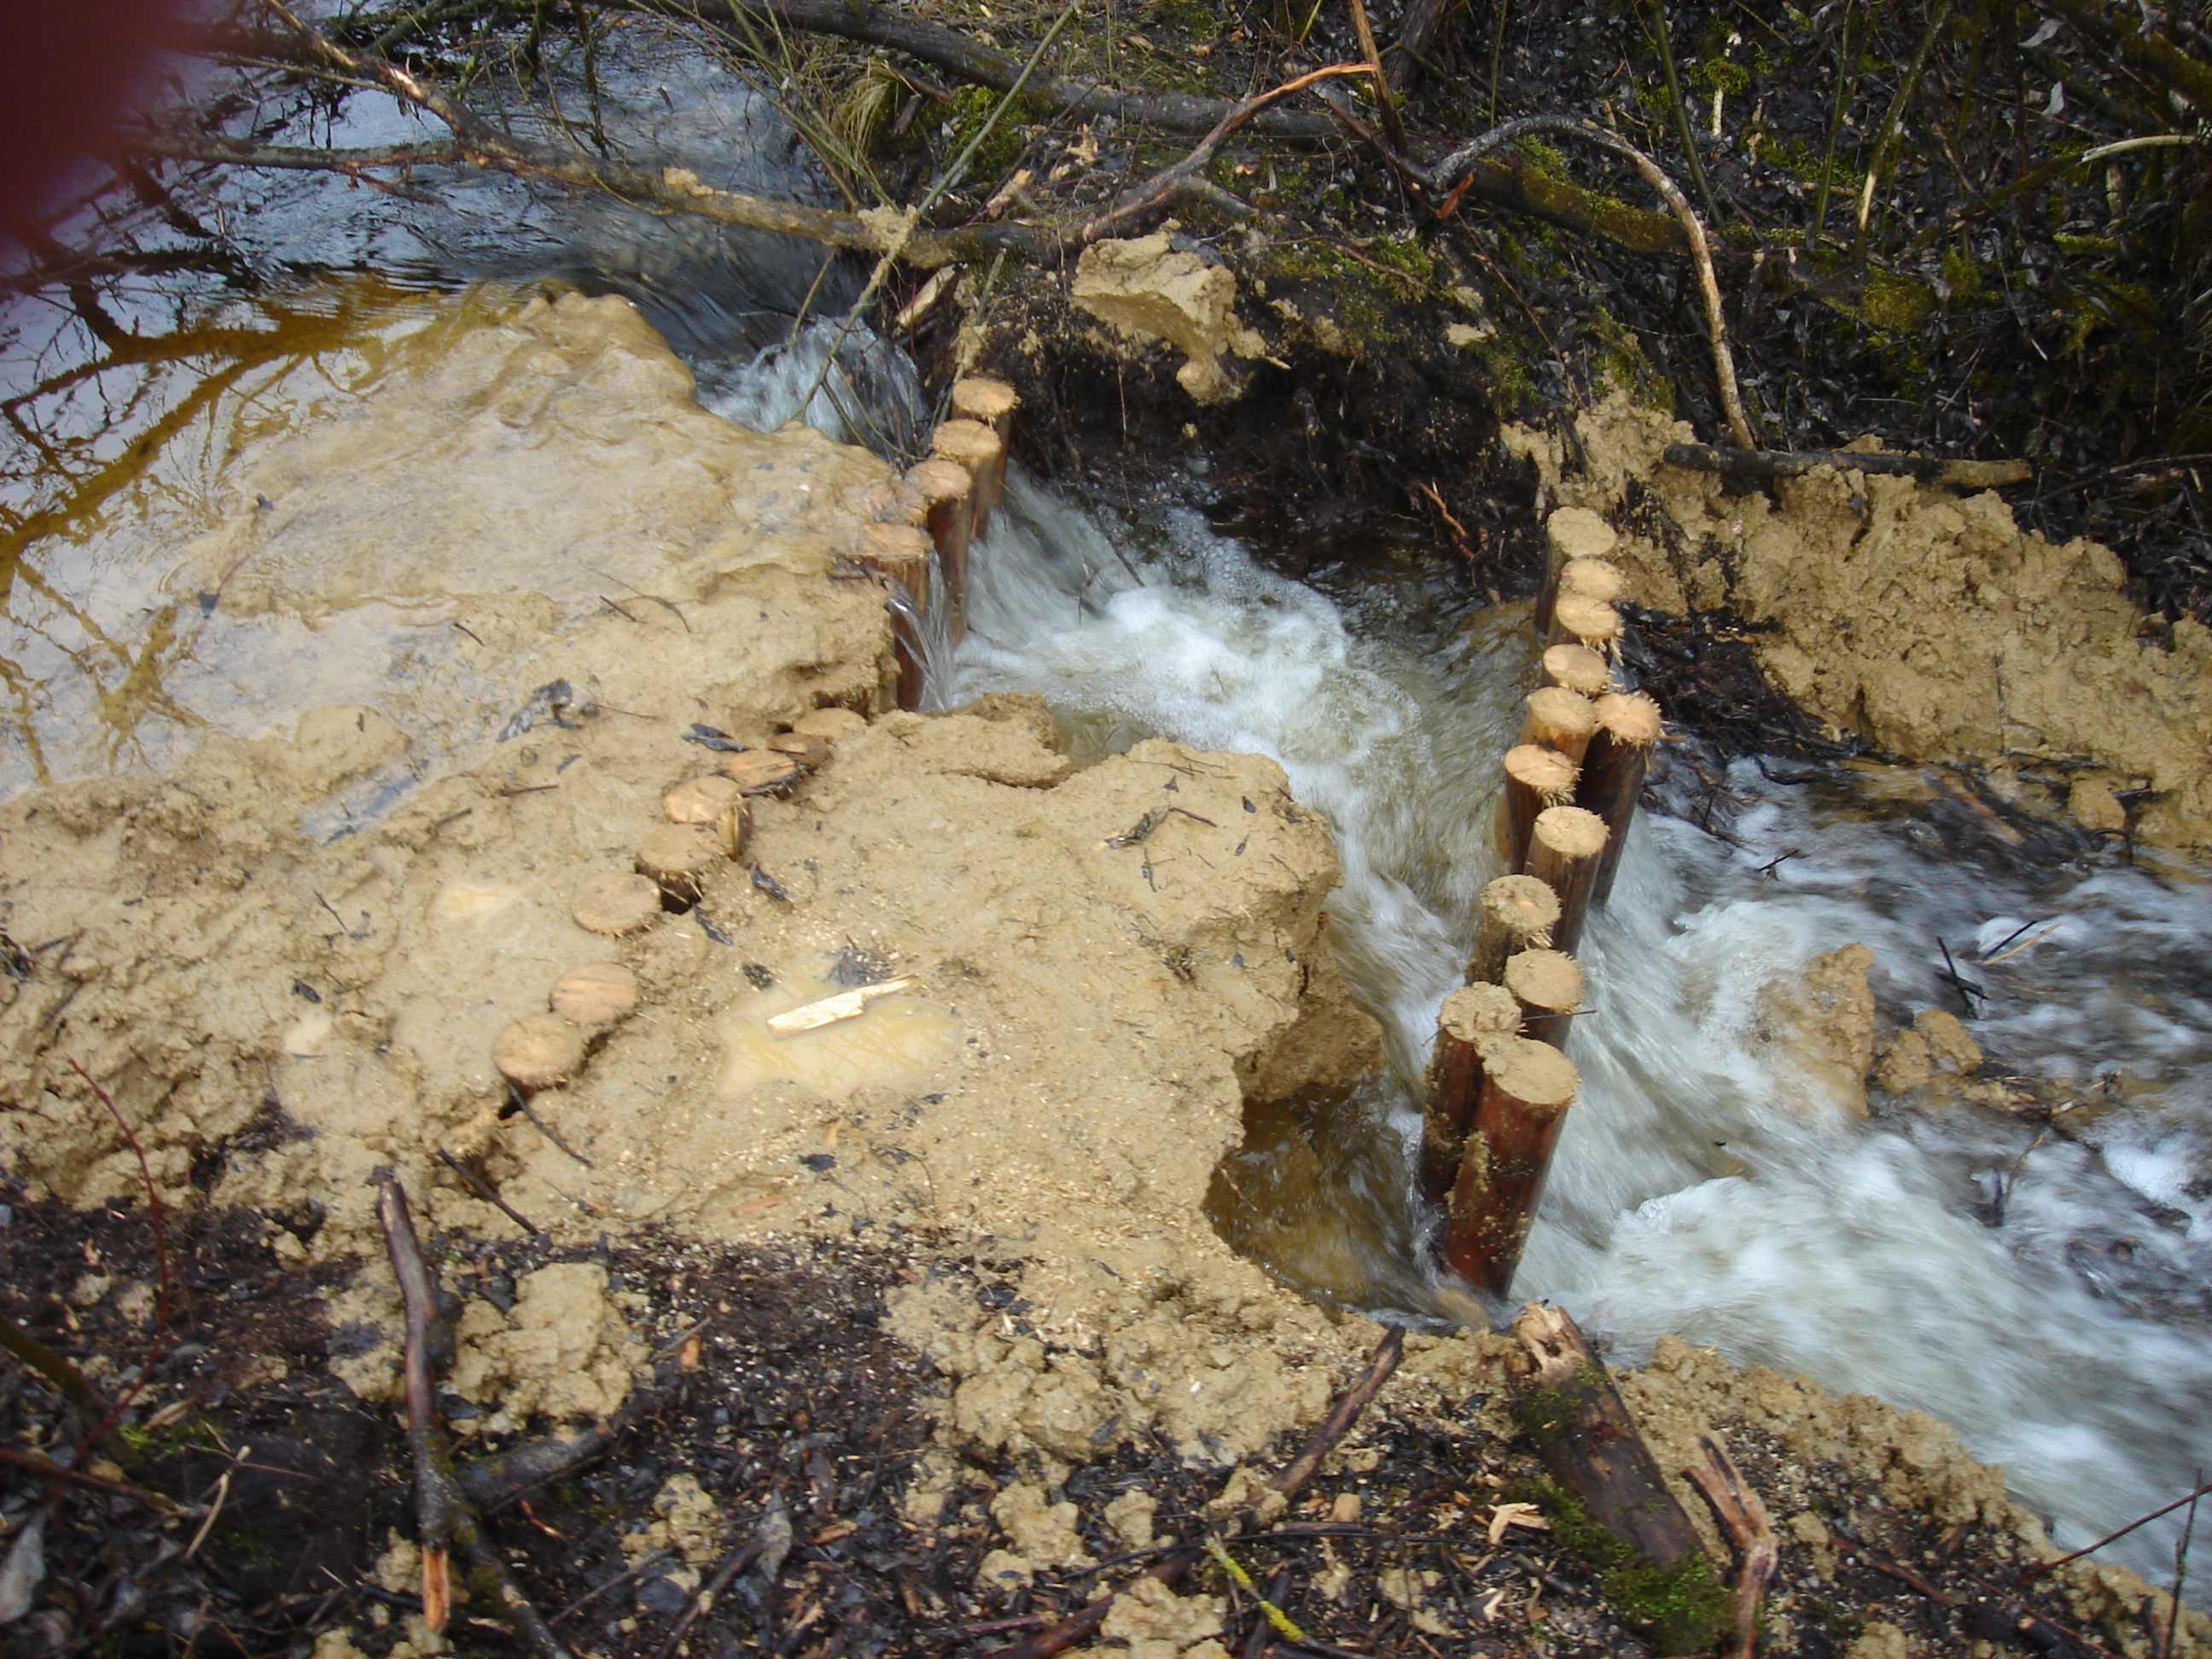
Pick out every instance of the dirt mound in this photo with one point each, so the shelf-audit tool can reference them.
(1930, 625)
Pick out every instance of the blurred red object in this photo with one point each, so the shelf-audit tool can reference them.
(66, 74)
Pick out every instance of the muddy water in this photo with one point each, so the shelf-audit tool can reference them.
(1706, 1185)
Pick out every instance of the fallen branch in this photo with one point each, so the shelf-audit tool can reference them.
(46, 1469)
(829, 1011)
(1744, 1517)
(444, 1516)
(1082, 1625)
(1441, 178)
(1768, 464)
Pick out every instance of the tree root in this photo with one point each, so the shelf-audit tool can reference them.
(1768, 464)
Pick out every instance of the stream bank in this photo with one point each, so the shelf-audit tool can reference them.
(288, 953)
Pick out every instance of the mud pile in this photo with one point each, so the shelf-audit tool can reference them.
(1928, 624)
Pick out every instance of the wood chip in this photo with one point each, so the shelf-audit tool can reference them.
(846, 1005)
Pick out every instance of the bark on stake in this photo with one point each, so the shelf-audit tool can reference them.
(1535, 778)
(947, 493)
(1586, 621)
(1516, 913)
(1548, 989)
(900, 555)
(1577, 668)
(1566, 1403)
(1565, 850)
(1612, 774)
(1471, 1015)
(1560, 719)
(1572, 532)
(981, 451)
(1526, 1088)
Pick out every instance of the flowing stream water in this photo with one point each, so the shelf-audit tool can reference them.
(2047, 1294)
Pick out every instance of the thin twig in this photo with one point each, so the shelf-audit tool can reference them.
(2028, 1575)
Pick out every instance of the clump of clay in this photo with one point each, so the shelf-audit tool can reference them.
(760, 771)
(676, 857)
(594, 993)
(699, 800)
(616, 905)
(541, 1051)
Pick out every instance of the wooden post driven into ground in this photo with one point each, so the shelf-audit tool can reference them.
(948, 498)
(1495, 1103)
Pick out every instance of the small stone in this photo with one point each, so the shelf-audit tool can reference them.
(1346, 1508)
(594, 993)
(616, 905)
(809, 750)
(539, 1052)
(699, 800)
(760, 771)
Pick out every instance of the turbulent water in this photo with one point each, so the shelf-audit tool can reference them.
(2046, 1295)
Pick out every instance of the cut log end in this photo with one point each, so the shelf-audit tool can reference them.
(1577, 668)
(594, 994)
(541, 1051)
(971, 444)
(1566, 846)
(1592, 578)
(1544, 772)
(760, 771)
(676, 857)
(984, 399)
(1516, 914)
(1547, 987)
(1569, 833)
(1591, 623)
(1560, 719)
(698, 800)
(616, 905)
(1631, 718)
(937, 480)
(1576, 533)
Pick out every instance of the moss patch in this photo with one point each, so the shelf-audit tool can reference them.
(1680, 1609)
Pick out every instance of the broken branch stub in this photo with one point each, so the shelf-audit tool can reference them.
(1470, 1017)
(1527, 1087)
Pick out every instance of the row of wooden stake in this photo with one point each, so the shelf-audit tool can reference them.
(929, 520)
(1499, 1082)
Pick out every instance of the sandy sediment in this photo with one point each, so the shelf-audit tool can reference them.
(1926, 622)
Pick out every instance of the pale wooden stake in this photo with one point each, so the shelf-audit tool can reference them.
(1612, 775)
(1592, 622)
(983, 452)
(1535, 778)
(1547, 988)
(1471, 1015)
(1577, 668)
(1564, 847)
(947, 494)
(1516, 914)
(900, 555)
(1572, 532)
(1526, 1088)
(1560, 719)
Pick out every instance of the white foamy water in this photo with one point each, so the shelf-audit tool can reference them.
(1703, 1186)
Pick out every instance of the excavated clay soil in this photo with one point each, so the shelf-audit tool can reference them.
(288, 956)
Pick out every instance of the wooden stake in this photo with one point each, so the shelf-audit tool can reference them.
(1560, 719)
(984, 399)
(1628, 724)
(1535, 778)
(983, 452)
(1564, 847)
(1471, 1015)
(1588, 1442)
(1516, 913)
(900, 554)
(1572, 532)
(1526, 1088)
(1592, 578)
(1548, 989)
(1577, 668)
(1592, 622)
(947, 494)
